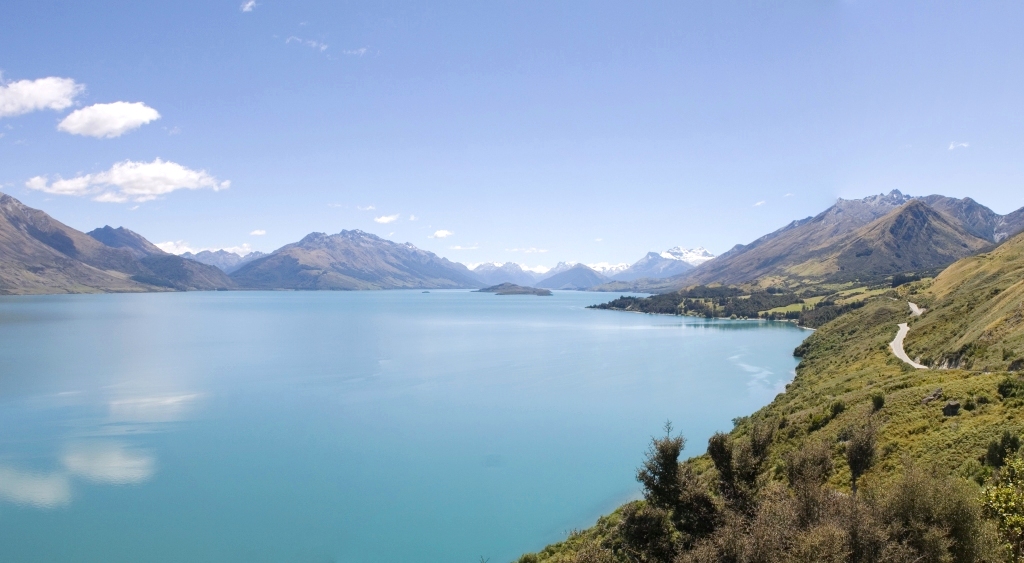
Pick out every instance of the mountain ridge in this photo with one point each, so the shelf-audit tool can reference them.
(807, 248)
(353, 260)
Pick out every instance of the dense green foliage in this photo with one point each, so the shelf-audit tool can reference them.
(732, 302)
(738, 516)
(706, 302)
(1004, 502)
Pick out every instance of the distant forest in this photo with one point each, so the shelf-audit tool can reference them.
(733, 302)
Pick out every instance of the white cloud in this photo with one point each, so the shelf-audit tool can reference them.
(386, 218)
(788, 195)
(34, 489)
(333, 205)
(442, 234)
(530, 250)
(357, 52)
(258, 233)
(367, 208)
(26, 96)
(474, 247)
(412, 217)
(248, 6)
(760, 203)
(112, 464)
(955, 145)
(131, 181)
(175, 247)
(317, 45)
(108, 120)
(598, 239)
(535, 269)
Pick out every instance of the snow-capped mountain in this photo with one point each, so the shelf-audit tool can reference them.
(494, 273)
(692, 256)
(607, 269)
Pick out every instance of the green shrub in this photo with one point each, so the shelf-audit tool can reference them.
(998, 451)
(877, 401)
(1011, 387)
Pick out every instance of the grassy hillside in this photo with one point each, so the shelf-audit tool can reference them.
(977, 316)
(848, 380)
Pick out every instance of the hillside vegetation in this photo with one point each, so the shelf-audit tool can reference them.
(924, 444)
(977, 317)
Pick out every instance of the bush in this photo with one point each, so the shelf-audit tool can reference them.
(1011, 387)
(877, 401)
(1005, 503)
(860, 452)
(998, 451)
(647, 533)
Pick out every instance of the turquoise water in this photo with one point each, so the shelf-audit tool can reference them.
(389, 426)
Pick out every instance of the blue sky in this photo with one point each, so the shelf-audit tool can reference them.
(592, 131)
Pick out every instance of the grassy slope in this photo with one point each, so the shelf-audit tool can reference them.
(849, 359)
(977, 314)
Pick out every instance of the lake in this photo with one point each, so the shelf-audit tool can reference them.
(377, 426)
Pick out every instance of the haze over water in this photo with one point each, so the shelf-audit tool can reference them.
(353, 427)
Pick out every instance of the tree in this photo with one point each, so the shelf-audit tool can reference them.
(720, 452)
(860, 452)
(1005, 503)
(660, 472)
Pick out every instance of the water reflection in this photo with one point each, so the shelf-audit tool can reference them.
(88, 453)
(151, 409)
(34, 489)
(762, 378)
(111, 463)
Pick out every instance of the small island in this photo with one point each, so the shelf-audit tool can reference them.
(513, 289)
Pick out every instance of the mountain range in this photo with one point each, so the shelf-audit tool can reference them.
(875, 236)
(352, 260)
(858, 239)
(227, 261)
(39, 254)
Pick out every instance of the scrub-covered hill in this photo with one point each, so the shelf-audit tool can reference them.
(977, 313)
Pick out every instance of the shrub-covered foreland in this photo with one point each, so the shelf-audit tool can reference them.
(811, 306)
(863, 458)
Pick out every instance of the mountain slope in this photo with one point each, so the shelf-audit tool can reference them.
(692, 256)
(123, 238)
(352, 260)
(852, 239)
(653, 265)
(579, 276)
(975, 316)
(914, 237)
(977, 219)
(160, 268)
(510, 272)
(226, 261)
(39, 254)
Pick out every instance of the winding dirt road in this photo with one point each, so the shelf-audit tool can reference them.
(897, 343)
